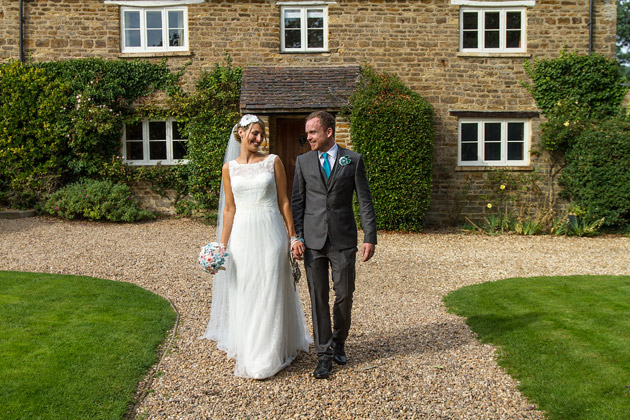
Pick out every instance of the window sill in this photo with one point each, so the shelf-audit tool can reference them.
(156, 54)
(492, 168)
(493, 55)
(306, 52)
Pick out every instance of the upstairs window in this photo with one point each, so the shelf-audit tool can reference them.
(493, 142)
(154, 29)
(495, 30)
(304, 28)
(151, 142)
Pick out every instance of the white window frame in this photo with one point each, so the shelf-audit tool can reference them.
(503, 161)
(303, 8)
(143, 48)
(481, 12)
(145, 145)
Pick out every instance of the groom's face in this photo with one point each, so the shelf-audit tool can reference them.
(318, 138)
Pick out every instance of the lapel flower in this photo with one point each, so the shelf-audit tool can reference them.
(344, 160)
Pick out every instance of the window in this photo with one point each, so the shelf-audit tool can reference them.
(154, 29)
(493, 142)
(304, 28)
(151, 142)
(497, 30)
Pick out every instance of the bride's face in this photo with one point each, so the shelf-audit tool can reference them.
(252, 137)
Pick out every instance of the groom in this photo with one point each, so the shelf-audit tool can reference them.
(326, 179)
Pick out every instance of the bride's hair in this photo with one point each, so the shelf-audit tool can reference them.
(245, 122)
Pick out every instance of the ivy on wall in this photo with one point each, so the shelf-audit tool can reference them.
(392, 127)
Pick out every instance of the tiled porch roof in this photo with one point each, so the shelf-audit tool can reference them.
(296, 89)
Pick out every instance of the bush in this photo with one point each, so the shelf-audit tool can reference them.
(96, 200)
(208, 116)
(597, 175)
(33, 147)
(572, 90)
(392, 127)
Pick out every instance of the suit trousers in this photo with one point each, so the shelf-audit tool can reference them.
(342, 266)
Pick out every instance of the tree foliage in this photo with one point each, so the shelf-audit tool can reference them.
(392, 127)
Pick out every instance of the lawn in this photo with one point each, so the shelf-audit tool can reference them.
(566, 339)
(74, 347)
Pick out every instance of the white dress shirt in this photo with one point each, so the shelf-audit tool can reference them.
(332, 156)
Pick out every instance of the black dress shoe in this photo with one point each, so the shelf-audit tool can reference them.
(323, 369)
(339, 355)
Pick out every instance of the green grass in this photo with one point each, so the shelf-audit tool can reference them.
(566, 339)
(74, 347)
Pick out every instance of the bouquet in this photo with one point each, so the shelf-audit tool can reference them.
(210, 258)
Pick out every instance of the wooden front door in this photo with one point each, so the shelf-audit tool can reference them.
(289, 142)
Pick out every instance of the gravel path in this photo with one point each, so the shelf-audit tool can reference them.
(408, 358)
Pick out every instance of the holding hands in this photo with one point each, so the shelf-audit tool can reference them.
(297, 247)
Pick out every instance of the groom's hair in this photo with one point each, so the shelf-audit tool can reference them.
(326, 119)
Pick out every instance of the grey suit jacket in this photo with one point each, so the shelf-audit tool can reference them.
(323, 208)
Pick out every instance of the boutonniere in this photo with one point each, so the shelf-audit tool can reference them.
(344, 160)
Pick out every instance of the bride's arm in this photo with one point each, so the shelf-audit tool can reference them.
(230, 207)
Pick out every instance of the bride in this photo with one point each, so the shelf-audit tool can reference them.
(257, 317)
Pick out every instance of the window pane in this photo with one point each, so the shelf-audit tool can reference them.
(132, 20)
(315, 38)
(292, 38)
(132, 38)
(176, 19)
(516, 131)
(513, 39)
(179, 149)
(154, 20)
(491, 39)
(176, 131)
(492, 132)
(515, 150)
(133, 131)
(492, 151)
(315, 19)
(157, 130)
(513, 20)
(470, 39)
(469, 152)
(154, 38)
(470, 20)
(175, 37)
(292, 19)
(157, 150)
(134, 150)
(469, 132)
(492, 20)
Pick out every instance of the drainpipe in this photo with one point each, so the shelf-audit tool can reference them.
(21, 46)
(591, 26)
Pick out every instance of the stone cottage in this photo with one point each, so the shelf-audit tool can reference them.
(463, 56)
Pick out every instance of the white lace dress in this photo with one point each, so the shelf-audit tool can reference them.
(263, 326)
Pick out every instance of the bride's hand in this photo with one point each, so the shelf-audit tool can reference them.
(297, 249)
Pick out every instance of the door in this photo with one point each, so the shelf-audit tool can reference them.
(289, 143)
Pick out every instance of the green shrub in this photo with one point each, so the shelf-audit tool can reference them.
(33, 146)
(96, 200)
(597, 175)
(570, 91)
(208, 115)
(392, 127)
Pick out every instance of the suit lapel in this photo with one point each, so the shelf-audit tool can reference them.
(336, 168)
(316, 167)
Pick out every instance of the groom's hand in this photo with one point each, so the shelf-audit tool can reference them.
(367, 251)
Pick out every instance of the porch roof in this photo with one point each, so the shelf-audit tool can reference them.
(269, 90)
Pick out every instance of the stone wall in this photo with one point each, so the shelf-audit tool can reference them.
(416, 40)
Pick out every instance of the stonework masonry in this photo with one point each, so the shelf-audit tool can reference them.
(416, 40)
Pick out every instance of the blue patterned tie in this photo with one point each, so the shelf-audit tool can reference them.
(326, 165)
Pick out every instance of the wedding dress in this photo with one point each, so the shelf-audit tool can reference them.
(265, 326)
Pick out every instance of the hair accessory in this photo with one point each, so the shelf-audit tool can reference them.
(248, 119)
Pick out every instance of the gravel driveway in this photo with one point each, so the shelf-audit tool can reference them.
(408, 358)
